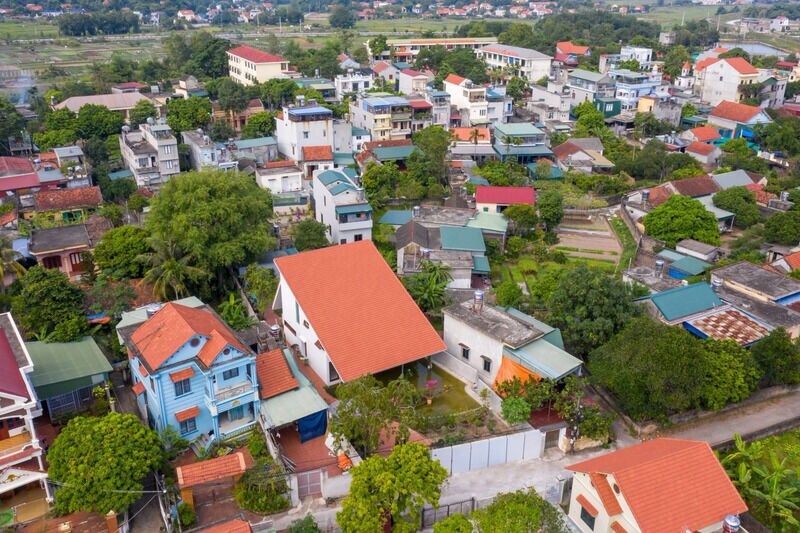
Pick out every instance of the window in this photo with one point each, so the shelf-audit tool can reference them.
(168, 149)
(230, 374)
(465, 352)
(587, 518)
(52, 262)
(305, 135)
(297, 312)
(357, 237)
(342, 241)
(188, 426)
(236, 413)
(487, 364)
(170, 164)
(183, 387)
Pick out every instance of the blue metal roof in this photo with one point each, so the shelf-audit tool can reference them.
(340, 188)
(462, 238)
(330, 176)
(396, 217)
(120, 174)
(685, 301)
(314, 110)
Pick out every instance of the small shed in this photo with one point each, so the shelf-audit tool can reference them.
(64, 373)
(687, 266)
(699, 250)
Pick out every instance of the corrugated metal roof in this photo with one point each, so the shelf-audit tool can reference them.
(544, 359)
(57, 365)
(494, 222)
(480, 264)
(685, 301)
(393, 153)
(353, 208)
(255, 143)
(462, 238)
(396, 217)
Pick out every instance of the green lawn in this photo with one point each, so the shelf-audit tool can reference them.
(12, 30)
(453, 399)
(628, 243)
(668, 17)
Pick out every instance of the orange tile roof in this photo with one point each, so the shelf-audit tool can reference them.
(604, 490)
(138, 388)
(68, 198)
(694, 187)
(591, 509)
(143, 371)
(454, 79)
(186, 414)
(361, 289)
(465, 134)
(317, 153)
(704, 63)
(705, 133)
(793, 260)
(735, 111)
(180, 375)
(211, 470)
(568, 48)
(172, 327)
(741, 65)
(719, 50)
(231, 526)
(659, 195)
(617, 527)
(701, 148)
(670, 484)
(280, 164)
(274, 375)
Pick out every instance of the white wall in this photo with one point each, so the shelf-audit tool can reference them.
(480, 344)
(291, 180)
(293, 136)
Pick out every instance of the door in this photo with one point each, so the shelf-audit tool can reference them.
(551, 439)
(309, 484)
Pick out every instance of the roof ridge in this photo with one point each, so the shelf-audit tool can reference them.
(689, 444)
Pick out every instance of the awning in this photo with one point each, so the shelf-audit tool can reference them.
(544, 359)
(480, 264)
(138, 388)
(180, 375)
(509, 370)
(186, 414)
(353, 209)
(288, 407)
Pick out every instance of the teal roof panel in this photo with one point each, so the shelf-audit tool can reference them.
(353, 209)
(544, 359)
(480, 264)
(393, 153)
(685, 301)
(462, 238)
(396, 217)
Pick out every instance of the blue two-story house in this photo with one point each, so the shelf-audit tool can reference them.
(191, 372)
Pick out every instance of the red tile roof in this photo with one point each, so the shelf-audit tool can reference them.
(280, 164)
(659, 195)
(719, 50)
(172, 327)
(130, 85)
(793, 260)
(11, 381)
(566, 149)
(317, 153)
(60, 199)
(211, 470)
(670, 484)
(704, 63)
(231, 526)
(274, 375)
(735, 111)
(705, 133)
(186, 414)
(420, 104)
(17, 173)
(701, 148)
(606, 493)
(413, 73)
(455, 79)
(487, 194)
(180, 375)
(568, 48)
(741, 65)
(138, 388)
(391, 328)
(255, 55)
(8, 218)
(731, 324)
(143, 371)
(591, 509)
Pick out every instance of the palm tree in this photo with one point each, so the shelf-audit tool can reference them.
(9, 263)
(170, 270)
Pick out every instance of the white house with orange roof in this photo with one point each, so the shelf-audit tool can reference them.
(323, 292)
(733, 120)
(703, 134)
(407, 49)
(523, 62)
(659, 486)
(469, 99)
(724, 79)
(248, 65)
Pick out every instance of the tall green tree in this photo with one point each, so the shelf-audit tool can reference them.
(741, 202)
(9, 260)
(219, 219)
(117, 254)
(261, 283)
(509, 294)
(783, 228)
(342, 17)
(98, 121)
(143, 110)
(519, 512)
(392, 490)
(11, 124)
(184, 114)
(681, 217)
(99, 463)
(49, 304)
(551, 208)
(778, 358)
(231, 96)
(310, 235)
(428, 286)
(432, 143)
(259, 125)
(169, 270)
(522, 217)
(590, 307)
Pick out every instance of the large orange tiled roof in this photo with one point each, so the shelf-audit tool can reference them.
(211, 470)
(735, 111)
(231, 526)
(365, 319)
(317, 153)
(741, 65)
(274, 375)
(454, 79)
(172, 327)
(705, 133)
(704, 63)
(701, 148)
(669, 484)
(568, 47)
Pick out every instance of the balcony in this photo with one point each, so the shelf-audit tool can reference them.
(16, 444)
(223, 395)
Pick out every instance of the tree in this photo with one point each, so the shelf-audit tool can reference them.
(465, 63)
(367, 409)
(143, 110)
(509, 294)
(310, 235)
(590, 307)
(380, 181)
(170, 271)
(209, 58)
(741, 202)
(778, 358)
(522, 511)
(221, 131)
(110, 296)
(523, 218)
(259, 125)
(218, 219)
(98, 121)
(551, 208)
(9, 260)
(590, 119)
(184, 114)
(676, 57)
(428, 287)
(231, 96)
(783, 228)
(99, 462)
(377, 45)
(342, 17)
(12, 124)
(455, 523)
(234, 314)
(118, 253)
(688, 110)
(49, 304)
(307, 524)
(392, 490)
(278, 92)
(516, 87)
(681, 217)
(262, 284)
(433, 143)
(111, 212)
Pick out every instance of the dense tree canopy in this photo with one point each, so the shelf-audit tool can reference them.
(392, 488)
(740, 201)
(778, 358)
(589, 307)
(309, 235)
(95, 461)
(681, 217)
(117, 254)
(11, 124)
(188, 114)
(783, 228)
(49, 305)
(342, 17)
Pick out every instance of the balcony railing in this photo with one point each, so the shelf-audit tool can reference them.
(232, 392)
(15, 444)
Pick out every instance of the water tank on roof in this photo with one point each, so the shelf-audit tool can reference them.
(659, 267)
(731, 524)
(152, 309)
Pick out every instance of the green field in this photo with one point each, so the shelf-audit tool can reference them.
(668, 17)
(12, 30)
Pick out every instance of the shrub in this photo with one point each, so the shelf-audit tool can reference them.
(186, 515)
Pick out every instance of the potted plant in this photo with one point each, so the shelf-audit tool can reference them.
(431, 391)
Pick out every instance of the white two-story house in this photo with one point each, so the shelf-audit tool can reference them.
(525, 63)
(341, 205)
(469, 99)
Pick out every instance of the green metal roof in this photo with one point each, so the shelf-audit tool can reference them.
(685, 301)
(462, 238)
(480, 264)
(517, 129)
(343, 158)
(477, 180)
(359, 132)
(671, 255)
(255, 143)
(61, 367)
(340, 188)
(690, 265)
(393, 153)
(353, 208)
(545, 359)
(285, 408)
(492, 222)
(330, 176)
(396, 217)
